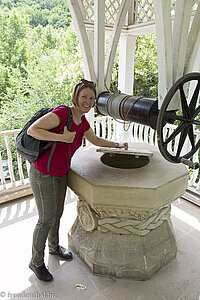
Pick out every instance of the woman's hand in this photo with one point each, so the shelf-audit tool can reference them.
(122, 145)
(100, 142)
(68, 136)
(41, 130)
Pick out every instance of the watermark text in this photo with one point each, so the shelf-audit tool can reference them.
(28, 295)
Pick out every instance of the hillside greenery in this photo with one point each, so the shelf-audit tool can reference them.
(41, 61)
(41, 12)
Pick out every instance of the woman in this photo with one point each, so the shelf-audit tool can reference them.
(49, 181)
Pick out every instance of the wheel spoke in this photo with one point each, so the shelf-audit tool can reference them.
(195, 122)
(194, 99)
(197, 111)
(195, 114)
(186, 119)
(172, 116)
(185, 108)
(181, 128)
(181, 142)
(191, 136)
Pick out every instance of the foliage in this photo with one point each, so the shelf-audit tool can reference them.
(41, 12)
(40, 65)
(53, 65)
(40, 61)
(146, 68)
(13, 47)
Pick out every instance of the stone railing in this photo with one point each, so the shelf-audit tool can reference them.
(14, 178)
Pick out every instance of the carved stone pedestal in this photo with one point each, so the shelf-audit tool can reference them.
(123, 226)
(123, 255)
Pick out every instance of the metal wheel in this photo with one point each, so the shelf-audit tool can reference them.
(180, 143)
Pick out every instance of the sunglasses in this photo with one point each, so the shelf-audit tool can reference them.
(84, 81)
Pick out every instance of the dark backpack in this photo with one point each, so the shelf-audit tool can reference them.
(31, 148)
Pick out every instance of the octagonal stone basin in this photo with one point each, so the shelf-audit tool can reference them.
(123, 211)
(150, 186)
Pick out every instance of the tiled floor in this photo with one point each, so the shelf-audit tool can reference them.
(179, 280)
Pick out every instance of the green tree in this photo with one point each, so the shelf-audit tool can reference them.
(13, 51)
(4, 80)
(13, 40)
(54, 65)
(42, 12)
(146, 67)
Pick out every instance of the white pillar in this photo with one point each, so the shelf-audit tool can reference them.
(193, 45)
(99, 42)
(196, 67)
(117, 28)
(126, 76)
(126, 63)
(90, 115)
(164, 47)
(76, 10)
(180, 33)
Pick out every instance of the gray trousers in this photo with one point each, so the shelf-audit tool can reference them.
(49, 192)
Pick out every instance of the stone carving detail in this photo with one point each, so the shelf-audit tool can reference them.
(136, 214)
(130, 226)
(87, 216)
(117, 224)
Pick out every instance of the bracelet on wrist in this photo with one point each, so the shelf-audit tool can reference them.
(117, 145)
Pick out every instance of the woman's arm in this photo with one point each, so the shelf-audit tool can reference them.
(40, 130)
(97, 141)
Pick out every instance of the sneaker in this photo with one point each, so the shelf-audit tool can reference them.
(41, 272)
(62, 252)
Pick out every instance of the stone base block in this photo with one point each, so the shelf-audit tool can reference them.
(124, 256)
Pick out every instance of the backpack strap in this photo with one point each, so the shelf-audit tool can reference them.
(69, 124)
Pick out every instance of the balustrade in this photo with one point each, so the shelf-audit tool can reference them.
(14, 170)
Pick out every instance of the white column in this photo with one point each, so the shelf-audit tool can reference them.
(164, 47)
(99, 43)
(196, 67)
(126, 63)
(90, 34)
(90, 115)
(76, 10)
(97, 40)
(180, 33)
(126, 76)
(120, 19)
(193, 45)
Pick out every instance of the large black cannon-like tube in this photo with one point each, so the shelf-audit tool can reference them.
(145, 111)
(128, 108)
